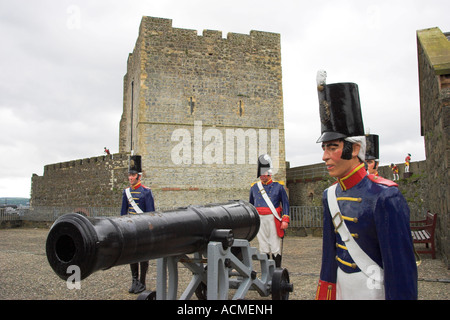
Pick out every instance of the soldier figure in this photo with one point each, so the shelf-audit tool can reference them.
(271, 200)
(372, 153)
(407, 161)
(394, 169)
(135, 200)
(367, 246)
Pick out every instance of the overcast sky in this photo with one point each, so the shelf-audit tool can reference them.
(62, 65)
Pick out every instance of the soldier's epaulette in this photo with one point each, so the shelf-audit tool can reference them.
(253, 183)
(381, 180)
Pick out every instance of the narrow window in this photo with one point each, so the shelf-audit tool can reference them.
(191, 105)
(131, 117)
(445, 81)
(241, 108)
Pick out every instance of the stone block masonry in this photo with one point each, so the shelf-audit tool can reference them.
(90, 182)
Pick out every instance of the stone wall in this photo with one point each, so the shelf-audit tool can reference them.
(90, 182)
(307, 183)
(433, 51)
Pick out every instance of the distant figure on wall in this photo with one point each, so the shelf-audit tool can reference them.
(407, 161)
(394, 169)
(106, 151)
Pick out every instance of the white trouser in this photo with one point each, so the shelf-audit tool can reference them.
(269, 241)
(357, 286)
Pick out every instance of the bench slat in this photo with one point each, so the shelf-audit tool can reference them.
(421, 235)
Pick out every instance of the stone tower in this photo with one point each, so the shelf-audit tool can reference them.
(200, 109)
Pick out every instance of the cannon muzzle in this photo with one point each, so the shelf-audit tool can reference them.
(100, 243)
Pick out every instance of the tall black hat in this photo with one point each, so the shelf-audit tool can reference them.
(264, 165)
(340, 111)
(135, 164)
(372, 147)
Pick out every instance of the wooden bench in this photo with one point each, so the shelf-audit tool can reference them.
(423, 232)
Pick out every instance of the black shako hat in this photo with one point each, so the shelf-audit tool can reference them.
(134, 165)
(340, 111)
(264, 165)
(372, 147)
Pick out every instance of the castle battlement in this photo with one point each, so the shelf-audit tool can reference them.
(151, 26)
(82, 163)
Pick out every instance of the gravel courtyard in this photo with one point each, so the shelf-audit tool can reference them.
(26, 275)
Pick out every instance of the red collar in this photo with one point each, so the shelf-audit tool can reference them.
(353, 177)
(268, 182)
(137, 185)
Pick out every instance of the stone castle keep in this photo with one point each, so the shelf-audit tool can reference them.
(198, 108)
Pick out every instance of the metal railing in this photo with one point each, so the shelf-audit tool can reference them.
(305, 216)
(300, 216)
(9, 214)
(49, 213)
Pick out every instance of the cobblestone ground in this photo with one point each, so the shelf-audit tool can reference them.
(26, 275)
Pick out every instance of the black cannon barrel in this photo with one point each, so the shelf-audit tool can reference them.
(100, 243)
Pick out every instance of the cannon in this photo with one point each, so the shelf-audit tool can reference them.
(217, 235)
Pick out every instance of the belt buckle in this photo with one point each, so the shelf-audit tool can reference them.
(338, 214)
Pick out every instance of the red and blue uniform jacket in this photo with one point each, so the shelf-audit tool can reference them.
(277, 194)
(143, 197)
(377, 216)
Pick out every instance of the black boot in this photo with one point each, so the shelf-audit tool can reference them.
(277, 259)
(141, 283)
(134, 276)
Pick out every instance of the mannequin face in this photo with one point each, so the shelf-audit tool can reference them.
(265, 178)
(133, 178)
(336, 166)
(371, 166)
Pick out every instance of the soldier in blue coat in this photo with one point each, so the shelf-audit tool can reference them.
(135, 200)
(367, 246)
(372, 153)
(272, 203)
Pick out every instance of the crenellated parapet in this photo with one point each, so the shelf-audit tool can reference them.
(94, 181)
